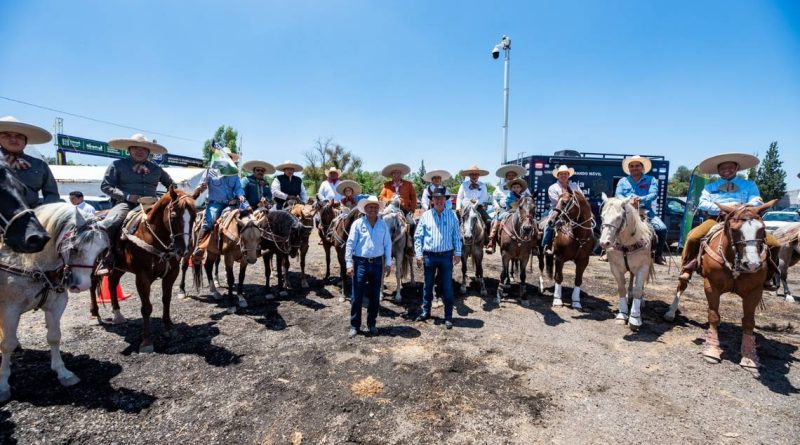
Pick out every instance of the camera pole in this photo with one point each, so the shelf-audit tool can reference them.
(505, 45)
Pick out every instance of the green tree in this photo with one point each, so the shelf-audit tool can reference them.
(325, 154)
(679, 183)
(454, 183)
(416, 178)
(225, 136)
(771, 177)
(371, 182)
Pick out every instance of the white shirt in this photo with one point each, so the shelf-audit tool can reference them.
(86, 208)
(277, 193)
(327, 191)
(480, 194)
(426, 197)
(554, 192)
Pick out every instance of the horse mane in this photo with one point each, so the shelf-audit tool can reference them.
(616, 205)
(56, 218)
(788, 233)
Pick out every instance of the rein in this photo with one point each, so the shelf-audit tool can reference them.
(170, 252)
(282, 243)
(721, 255)
(572, 223)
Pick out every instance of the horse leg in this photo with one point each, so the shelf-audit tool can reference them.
(303, 280)
(267, 257)
(540, 257)
(212, 282)
(637, 297)
(94, 311)
(479, 272)
(749, 359)
(231, 282)
(282, 263)
(342, 270)
(622, 292)
(327, 248)
(673, 308)
(464, 260)
(182, 286)
(166, 299)
(143, 287)
(398, 274)
(10, 321)
(523, 295)
(712, 352)
(113, 283)
(503, 276)
(240, 288)
(216, 271)
(580, 267)
(558, 277)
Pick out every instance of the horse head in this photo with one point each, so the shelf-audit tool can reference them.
(471, 222)
(80, 247)
(249, 238)
(616, 215)
(746, 232)
(527, 214)
(172, 217)
(19, 228)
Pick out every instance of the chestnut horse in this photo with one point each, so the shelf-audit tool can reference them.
(573, 241)
(518, 241)
(154, 250)
(735, 259)
(327, 213)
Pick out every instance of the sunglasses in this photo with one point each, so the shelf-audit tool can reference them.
(259, 170)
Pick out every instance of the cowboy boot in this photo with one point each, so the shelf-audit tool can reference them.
(492, 237)
(659, 251)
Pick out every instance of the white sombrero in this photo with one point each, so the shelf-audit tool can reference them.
(519, 181)
(473, 169)
(289, 164)
(563, 168)
(348, 183)
(404, 169)
(333, 169)
(428, 177)
(745, 161)
(501, 172)
(372, 199)
(138, 140)
(34, 134)
(636, 158)
(250, 165)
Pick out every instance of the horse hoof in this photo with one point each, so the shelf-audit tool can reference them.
(712, 355)
(216, 295)
(749, 364)
(526, 303)
(232, 310)
(118, 318)
(463, 289)
(669, 316)
(5, 394)
(216, 284)
(557, 302)
(577, 305)
(483, 293)
(398, 299)
(634, 324)
(146, 349)
(182, 295)
(790, 299)
(242, 302)
(304, 284)
(69, 381)
(269, 297)
(497, 301)
(621, 319)
(341, 299)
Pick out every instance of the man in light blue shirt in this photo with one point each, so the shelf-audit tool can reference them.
(221, 191)
(368, 253)
(437, 246)
(643, 191)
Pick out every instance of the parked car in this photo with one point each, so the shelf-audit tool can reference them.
(674, 217)
(779, 218)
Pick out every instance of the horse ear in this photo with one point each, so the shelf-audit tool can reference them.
(605, 197)
(766, 206)
(80, 220)
(172, 192)
(726, 208)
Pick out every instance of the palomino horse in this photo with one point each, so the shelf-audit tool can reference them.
(305, 214)
(337, 234)
(40, 280)
(735, 259)
(398, 227)
(237, 238)
(574, 241)
(19, 228)
(154, 250)
(282, 235)
(788, 255)
(518, 240)
(627, 238)
(327, 214)
(473, 235)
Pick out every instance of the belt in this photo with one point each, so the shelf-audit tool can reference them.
(376, 259)
(445, 253)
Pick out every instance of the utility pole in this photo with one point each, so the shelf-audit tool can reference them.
(505, 45)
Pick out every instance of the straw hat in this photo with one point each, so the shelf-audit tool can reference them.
(428, 177)
(138, 140)
(563, 168)
(35, 135)
(636, 158)
(333, 169)
(745, 161)
(348, 183)
(289, 164)
(250, 165)
(519, 181)
(501, 172)
(404, 169)
(473, 169)
(372, 199)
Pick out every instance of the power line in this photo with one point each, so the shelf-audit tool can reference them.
(100, 120)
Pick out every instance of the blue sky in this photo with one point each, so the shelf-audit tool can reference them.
(410, 80)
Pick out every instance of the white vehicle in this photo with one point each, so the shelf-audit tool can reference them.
(779, 218)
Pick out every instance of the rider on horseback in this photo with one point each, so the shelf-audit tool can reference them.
(256, 189)
(126, 181)
(731, 190)
(31, 171)
(288, 186)
(508, 173)
(474, 191)
(349, 191)
(434, 179)
(562, 173)
(643, 189)
(399, 187)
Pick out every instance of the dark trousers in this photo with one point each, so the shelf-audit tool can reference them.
(115, 218)
(443, 264)
(367, 279)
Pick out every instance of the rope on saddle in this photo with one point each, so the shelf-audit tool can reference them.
(50, 279)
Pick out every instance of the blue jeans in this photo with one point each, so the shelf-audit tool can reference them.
(658, 225)
(367, 280)
(213, 210)
(443, 264)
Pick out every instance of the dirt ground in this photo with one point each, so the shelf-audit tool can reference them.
(283, 371)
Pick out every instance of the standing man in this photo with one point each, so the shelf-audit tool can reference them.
(437, 246)
(368, 256)
(508, 173)
(475, 191)
(76, 198)
(642, 189)
(223, 191)
(288, 186)
(327, 190)
(256, 190)
(31, 171)
(399, 187)
(126, 181)
(434, 179)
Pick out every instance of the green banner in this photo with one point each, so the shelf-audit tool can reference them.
(98, 148)
(696, 185)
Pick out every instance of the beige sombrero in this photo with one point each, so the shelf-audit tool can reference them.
(501, 172)
(289, 164)
(348, 183)
(519, 181)
(745, 161)
(34, 134)
(404, 169)
(428, 177)
(250, 165)
(333, 169)
(372, 199)
(473, 169)
(563, 168)
(636, 158)
(138, 140)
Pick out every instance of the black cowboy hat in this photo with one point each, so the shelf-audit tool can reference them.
(440, 191)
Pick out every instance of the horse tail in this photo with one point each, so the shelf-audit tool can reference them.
(651, 274)
(549, 264)
(406, 266)
(197, 274)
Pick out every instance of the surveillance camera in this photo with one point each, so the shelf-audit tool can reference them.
(495, 52)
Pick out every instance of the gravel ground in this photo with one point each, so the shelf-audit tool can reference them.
(283, 371)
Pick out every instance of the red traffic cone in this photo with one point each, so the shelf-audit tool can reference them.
(105, 294)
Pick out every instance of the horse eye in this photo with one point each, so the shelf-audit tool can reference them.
(173, 215)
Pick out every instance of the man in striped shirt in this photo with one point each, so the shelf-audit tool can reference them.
(437, 246)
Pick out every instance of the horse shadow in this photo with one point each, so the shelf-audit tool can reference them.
(183, 339)
(653, 323)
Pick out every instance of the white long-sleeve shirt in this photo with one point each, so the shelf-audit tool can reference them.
(480, 194)
(555, 190)
(277, 193)
(327, 191)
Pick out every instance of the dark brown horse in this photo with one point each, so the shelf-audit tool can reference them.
(282, 235)
(735, 259)
(574, 240)
(328, 211)
(519, 239)
(154, 250)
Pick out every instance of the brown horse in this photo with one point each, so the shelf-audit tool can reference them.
(735, 259)
(327, 213)
(574, 240)
(154, 250)
(305, 214)
(518, 241)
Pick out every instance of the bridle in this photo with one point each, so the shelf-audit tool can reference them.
(737, 267)
(7, 223)
(169, 252)
(563, 210)
(284, 244)
(250, 225)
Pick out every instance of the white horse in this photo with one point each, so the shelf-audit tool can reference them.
(40, 280)
(627, 239)
(397, 224)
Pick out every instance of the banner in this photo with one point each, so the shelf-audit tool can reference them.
(696, 184)
(223, 163)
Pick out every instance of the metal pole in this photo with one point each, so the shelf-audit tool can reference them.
(505, 105)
